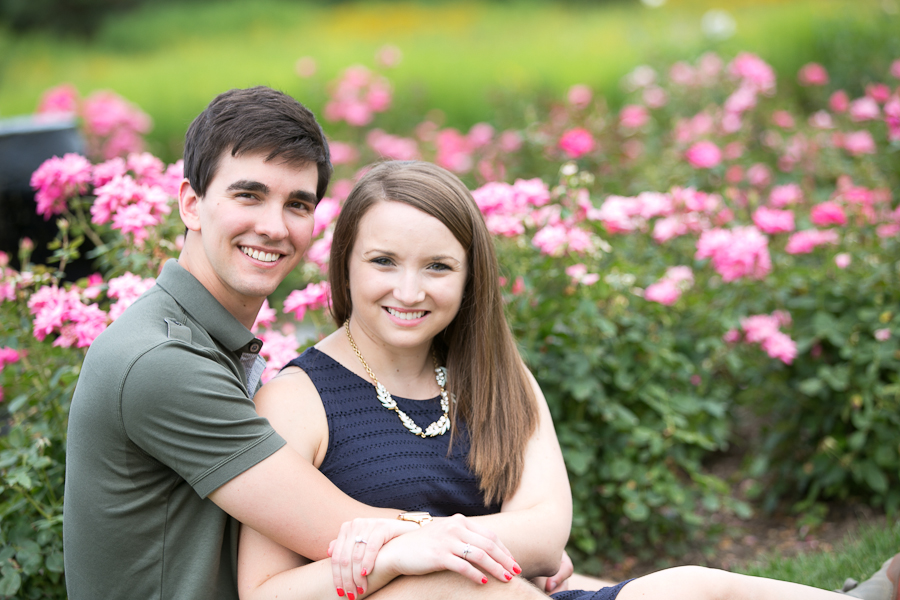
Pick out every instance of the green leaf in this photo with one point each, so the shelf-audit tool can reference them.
(812, 386)
(10, 582)
(636, 510)
(873, 476)
(55, 562)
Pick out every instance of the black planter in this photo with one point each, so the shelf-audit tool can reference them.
(25, 143)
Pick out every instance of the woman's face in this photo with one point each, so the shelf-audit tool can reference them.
(407, 275)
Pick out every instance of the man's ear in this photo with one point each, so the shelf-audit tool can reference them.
(188, 205)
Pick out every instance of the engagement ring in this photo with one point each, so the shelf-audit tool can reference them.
(359, 540)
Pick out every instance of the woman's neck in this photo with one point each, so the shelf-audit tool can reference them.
(407, 372)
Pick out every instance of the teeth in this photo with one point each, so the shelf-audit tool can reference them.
(407, 316)
(261, 256)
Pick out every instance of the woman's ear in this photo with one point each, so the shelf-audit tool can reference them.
(188, 206)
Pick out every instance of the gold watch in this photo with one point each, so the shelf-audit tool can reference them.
(419, 517)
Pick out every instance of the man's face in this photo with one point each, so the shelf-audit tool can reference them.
(254, 224)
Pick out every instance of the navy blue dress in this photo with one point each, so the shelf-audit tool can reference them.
(373, 458)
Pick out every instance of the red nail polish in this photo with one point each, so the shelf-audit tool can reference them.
(517, 569)
(505, 574)
(350, 596)
(340, 592)
(360, 591)
(364, 572)
(484, 580)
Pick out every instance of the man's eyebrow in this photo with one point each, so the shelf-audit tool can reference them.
(248, 185)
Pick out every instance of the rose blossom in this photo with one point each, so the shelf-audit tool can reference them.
(859, 142)
(664, 291)
(577, 142)
(759, 175)
(736, 253)
(633, 116)
(313, 296)
(804, 242)
(771, 220)
(864, 109)
(882, 335)
(828, 213)
(704, 155)
(842, 260)
(895, 68)
(579, 274)
(785, 195)
(839, 101)
(580, 96)
(812, 74)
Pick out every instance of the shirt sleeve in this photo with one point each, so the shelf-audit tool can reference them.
(189, 411)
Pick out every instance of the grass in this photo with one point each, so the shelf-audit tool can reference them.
(473, 60)
(860, 555)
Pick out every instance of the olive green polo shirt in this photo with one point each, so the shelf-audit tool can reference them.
(160, 418)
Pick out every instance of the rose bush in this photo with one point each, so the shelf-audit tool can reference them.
(710, 249)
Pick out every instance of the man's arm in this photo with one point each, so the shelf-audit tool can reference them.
(288, 500)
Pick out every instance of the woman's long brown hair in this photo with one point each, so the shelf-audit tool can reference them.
(493, 392)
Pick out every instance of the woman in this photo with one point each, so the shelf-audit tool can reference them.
(415, 292)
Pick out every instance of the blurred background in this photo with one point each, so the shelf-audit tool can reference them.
(471, 61)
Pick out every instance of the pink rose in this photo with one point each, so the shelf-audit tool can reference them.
(804, 242)
(633, 116)
(784, 195)
(859, 142)
(812, 74)
(839, 101)
(704, 155)
(759, 175)
(772, 220)
(842, 260)
(828, 213)
(882, 335)
(577, 142)
(580, 96)
(664, 291)
(864, 109)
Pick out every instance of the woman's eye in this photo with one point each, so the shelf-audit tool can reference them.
(440, 267)
(382, 261)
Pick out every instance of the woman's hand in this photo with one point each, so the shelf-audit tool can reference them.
(452, 544)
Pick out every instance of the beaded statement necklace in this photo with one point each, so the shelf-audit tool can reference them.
(439, 427)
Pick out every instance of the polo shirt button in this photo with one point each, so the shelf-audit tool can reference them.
(255, 346)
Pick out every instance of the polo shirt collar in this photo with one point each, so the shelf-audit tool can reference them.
(205, 309)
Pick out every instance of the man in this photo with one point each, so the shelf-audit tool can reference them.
(165, 452)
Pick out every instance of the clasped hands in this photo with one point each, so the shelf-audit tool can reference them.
(394, 547)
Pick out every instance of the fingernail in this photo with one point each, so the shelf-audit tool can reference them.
(484, 580)
(505, 574)
(517, 569)
(360, 591)
(551, 586)
(340, 592)
(350, 596)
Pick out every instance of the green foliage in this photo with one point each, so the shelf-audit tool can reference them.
(634, 410)
(833, 420)
(471, 61)
(32, 460)
(72, 17)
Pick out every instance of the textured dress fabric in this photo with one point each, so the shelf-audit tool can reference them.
(373, 458)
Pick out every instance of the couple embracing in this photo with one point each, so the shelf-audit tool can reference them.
(409, 454)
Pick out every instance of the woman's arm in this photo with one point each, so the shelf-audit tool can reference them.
(293, 407)
(535, 522)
